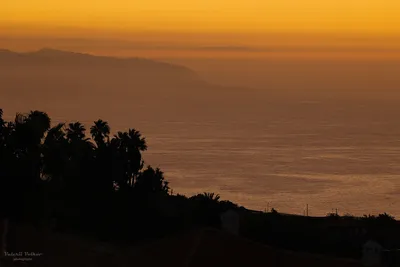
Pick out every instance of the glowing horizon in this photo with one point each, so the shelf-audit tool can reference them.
(340, 16)
(252, 23)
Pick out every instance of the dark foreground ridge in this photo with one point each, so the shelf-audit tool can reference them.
(197, 247)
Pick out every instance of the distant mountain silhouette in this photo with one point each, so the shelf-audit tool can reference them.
(65, 60)
(62, 81)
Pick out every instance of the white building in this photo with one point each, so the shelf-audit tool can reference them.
(372, 254)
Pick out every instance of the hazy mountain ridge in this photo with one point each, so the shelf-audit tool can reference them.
(56, 58)
(52, 80)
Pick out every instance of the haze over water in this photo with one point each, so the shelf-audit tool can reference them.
(285, 155)
(315, 120)
(282, 146)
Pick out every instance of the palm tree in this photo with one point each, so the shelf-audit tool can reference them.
(79, 151)
(211, 196)
(2, 122)
(77, 175)
(3, 134)
(54, 152)
(136, 145)
(76, 131)
(128, 147)
(79, 145)
(56, 134)
(206, 199)
(40, 123)
(132, 140)
(4, 166)
(30, 129)
(136, 140)
(28, 133)
(206, 208)
(6, 148)
(103, 159)
(24, 158)
(100, 131)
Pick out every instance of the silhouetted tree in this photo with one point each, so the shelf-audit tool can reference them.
(71, 176)
(127, 147)
(100, 131)
(206, 209)
(274, 211)
(386, 217)
(151, 181)
(5, 156)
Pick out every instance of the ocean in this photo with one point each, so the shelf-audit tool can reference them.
(330, 154)
(326, 151)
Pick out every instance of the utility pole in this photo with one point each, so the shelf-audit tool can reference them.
(307, 210)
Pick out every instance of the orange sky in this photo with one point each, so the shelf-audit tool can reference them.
(208, 21)
(378, 16)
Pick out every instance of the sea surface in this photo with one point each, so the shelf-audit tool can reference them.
(330, 152)
(284, 154)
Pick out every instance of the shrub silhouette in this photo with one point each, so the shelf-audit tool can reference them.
(274, 211)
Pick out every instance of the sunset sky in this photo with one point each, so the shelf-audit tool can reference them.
(207, 22)
(270, 103)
